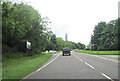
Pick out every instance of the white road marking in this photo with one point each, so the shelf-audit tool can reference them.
(107, 77)
(89, 65)
(47, 63)
(80, 59)
(104, 58)
(41, 67)
(107, 59)
(28, 75)
(95, 69)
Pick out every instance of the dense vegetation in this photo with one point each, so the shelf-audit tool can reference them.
(21, 22)
(106, 36)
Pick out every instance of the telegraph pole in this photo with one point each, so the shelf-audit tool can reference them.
(66, 37)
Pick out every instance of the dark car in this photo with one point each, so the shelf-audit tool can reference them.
(66, 51)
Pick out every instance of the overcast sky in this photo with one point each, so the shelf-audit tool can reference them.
(77, 18)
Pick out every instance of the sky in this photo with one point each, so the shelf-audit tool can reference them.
(77, 18)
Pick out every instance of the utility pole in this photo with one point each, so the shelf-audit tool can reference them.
(66, 37)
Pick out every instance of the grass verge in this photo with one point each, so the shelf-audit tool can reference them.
(100, 52)
(21, 67)
(59, 51)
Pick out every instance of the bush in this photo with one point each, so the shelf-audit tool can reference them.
(13, 55)
(6, 49)
(87, 49)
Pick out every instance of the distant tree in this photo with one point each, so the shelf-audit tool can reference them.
(60, 43)
(80, 46)
(52, 41)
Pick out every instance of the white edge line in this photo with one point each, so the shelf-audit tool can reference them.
(106, 59)
(47, 63)
(41, 67)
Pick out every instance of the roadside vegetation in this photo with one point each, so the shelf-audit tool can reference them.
(59, 51)
(21, 22)
(105, 39)
(100, 52)
(106, 36)
(17, 68)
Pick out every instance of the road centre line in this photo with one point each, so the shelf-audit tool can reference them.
(41, 67)
(80, 59)
(89, 65)
(94, 68)
(107, 76)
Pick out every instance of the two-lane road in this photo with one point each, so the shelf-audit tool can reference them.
(77, 66)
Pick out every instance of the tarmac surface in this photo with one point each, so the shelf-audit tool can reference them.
(78, 66)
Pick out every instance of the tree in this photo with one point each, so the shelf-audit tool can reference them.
(105, 36)
(60, 43)
(52, 42)
(80, 46)
(118, 33)
(22, 22)
(97, 34)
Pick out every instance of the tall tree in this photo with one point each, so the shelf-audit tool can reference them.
(22, 22)
(97, 34)
(105, 36)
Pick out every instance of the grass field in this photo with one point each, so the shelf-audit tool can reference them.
(20, 67)
(100, 52)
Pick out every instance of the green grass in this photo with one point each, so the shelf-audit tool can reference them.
(59, 51)
(100, 52)
(20, 67)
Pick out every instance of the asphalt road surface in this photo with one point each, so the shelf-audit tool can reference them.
(78, 66)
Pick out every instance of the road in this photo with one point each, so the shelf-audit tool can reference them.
(78, 66)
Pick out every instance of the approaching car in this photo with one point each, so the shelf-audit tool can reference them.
(52, 51)
(66, 51)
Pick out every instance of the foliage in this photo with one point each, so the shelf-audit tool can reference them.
(72, 45)
(21, 22)
(105, 36)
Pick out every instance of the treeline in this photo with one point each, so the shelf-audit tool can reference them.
(106, 36)
(72, 45)
(22, 22)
